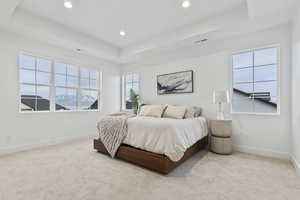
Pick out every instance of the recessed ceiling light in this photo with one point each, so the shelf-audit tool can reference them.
(68, 4)
(122, 33)
(186, 4)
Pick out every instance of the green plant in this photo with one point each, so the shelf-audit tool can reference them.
(134, 98)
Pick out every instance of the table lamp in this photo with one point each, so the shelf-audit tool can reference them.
(221, 97)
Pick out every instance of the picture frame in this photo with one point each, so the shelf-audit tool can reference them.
(175, 83)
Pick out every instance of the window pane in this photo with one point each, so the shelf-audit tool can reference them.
(262, 107)
(60, 68)
(241, 103)
(243, 75)
(94, 84)
(84, 99)
(88, 99)
(42, 92)
(43, 78)
(94, 74)
(72, 70)
(72, 81)
(71, 101)
(84, 73)
(135, 77)
(94, 100)
(269, 88)
(27, 62)
(265, 56)
(43, 105)
(60, 80)
(60, 94)
(243, 60)
(265, 73)
(135, 87)
(27, 76)
(65, 99)
(27, 91)
(84, 83)
(244, 87)
(43, 65)
(28, 104)
(128, 89)
(129, 78)
(43, 101)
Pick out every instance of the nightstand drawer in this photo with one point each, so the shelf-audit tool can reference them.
(221, 145)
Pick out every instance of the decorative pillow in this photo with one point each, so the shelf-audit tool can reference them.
(152, 110)
(193, 112)
(175, 112)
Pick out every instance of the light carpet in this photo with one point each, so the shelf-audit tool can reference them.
(74, 171)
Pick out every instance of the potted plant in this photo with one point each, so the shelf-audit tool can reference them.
(134, 98)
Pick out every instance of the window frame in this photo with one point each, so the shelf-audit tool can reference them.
(52, 86)
(278, 112)
(124, 90)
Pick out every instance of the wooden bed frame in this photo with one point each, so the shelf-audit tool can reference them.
(157, 162)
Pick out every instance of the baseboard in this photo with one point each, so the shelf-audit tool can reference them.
(262, 152)
(296, 164)
(24, 147)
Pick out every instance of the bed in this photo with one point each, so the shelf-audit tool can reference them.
(160, 144)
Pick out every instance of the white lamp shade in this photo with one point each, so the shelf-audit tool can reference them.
(221, 97)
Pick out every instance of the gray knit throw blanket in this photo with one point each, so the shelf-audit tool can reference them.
(113, 130)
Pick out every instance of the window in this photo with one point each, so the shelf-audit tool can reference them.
(35, 82)
(255, 81)
(65, 86)
(130, 83)
(76, 88)
(89, 89)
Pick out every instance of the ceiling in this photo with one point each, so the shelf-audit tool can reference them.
(152, 26)
(141, 19)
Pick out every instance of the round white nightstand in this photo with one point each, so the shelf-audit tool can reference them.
(221, 137)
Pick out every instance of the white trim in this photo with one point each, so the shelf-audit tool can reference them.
(50, 142)
(262, 152)
(296, 164)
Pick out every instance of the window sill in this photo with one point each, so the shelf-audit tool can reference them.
(63, 111)
(255, 114)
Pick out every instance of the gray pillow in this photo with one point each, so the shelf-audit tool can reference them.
(192, 112)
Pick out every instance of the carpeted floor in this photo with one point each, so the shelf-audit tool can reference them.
(74, 171)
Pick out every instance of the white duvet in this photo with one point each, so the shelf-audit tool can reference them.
(171, 137)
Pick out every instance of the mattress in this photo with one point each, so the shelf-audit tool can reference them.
(171, 137)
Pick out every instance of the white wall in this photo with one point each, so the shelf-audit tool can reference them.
(267, 135)
(25, 130)
(296, 90)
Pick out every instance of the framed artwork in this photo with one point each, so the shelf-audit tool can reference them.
(175, 83)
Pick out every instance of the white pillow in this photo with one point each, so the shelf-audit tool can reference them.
(192, 112)
(152, 110)
(175, 112)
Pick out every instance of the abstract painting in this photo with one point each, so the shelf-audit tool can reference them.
(175, 83)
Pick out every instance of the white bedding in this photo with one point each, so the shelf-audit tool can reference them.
(171, 137)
